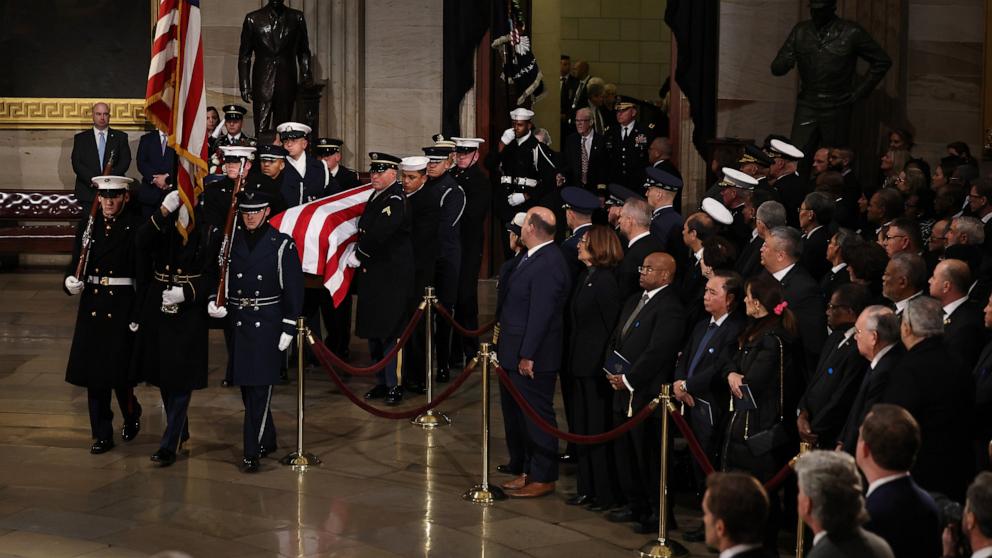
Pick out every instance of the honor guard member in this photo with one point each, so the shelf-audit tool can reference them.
(579, 205)
(384, 258)
(449, 257)
(230, 134)
(305, 178)
(342, 178)
(660, 188)
(735, 189)
(424, 202)
(216, 197)
(101, 344)
(264, 298)
(478, 197)
(522, 166)
(628, 143)
(792, 190)
(171, 345)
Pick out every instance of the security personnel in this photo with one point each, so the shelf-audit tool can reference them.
(172, 341)
(384, 258)
(342, 178)
(579, 205)
(628, 143)
(102, 342)
(478, 198)
(264, 298)
(660, 188)
(305, 178)
(449, 260)
(524, 167)
(229, 134)
(785, 172)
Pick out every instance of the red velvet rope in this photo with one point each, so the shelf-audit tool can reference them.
(336, 361)
(694, 447)
(443, 312)
(567, 436)
(775, 482)
(323, 355)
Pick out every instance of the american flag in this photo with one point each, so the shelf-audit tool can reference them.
(176, 99)
(325, 232)
(519, 65)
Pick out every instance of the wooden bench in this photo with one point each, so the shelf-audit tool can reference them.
(29, 221)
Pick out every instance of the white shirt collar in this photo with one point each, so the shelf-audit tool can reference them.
(699, 255)
(845, 172)
(335, 171)
(987, 216)
(901, 305)
(653, 292)
(754, 234)
(884, 480)
(532, 251)
(838, 267)
(580, 227)
(299, 164)
(629, 128)
(636, 238)
(738, 549)
(523, 139)
(810, 233)
(878, 357)
(235, 137)
(817, 537)
(950, 308)
(847, 336)
(655, 212)
(719, 321)
(982, 553)
(780, 274)
(106, 133)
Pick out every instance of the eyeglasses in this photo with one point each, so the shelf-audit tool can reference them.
(645, 269)
(889, 237)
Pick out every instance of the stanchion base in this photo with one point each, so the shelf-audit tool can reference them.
(300, 460)
(431, 419)
(662, 548)
(484, 494)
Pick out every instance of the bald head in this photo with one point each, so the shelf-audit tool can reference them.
(657, 271)
(659, 150)
(951, 281)
(101, 116)
(539, 227)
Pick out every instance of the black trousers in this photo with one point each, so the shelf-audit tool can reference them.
(592, 401)
(638, 461)
(259, 430)
(176, 404)
(102, 417)
(467, 305)
(337, 321)
(709, 437)
(414, 363)
(541, 457)
(514, 430)
(446, 283)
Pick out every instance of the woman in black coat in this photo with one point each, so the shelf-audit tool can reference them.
(594, 310)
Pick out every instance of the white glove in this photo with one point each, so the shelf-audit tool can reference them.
(73, 285)
(284, 340)
(172, 201)
(173, 295)
(515, 199)
(133, 327)
(353, 260)
(508, 136)
(215, 311)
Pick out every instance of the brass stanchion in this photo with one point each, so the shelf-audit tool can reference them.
(300, 459)
(800, 526)
(483, 493)
(663, 547)
(430, 418)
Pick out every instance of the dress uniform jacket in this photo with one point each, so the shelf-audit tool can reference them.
(265, 296)
(342, 179)
(630, 155)
(833, 387)
(478, 198)
(452, 202)
(523, 170)
(171, 349)
(425, 206)
(102, 343)
(666, 225)
(298, 190)
(386, 255)
(570, 249)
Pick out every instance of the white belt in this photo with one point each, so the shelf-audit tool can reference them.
(255, 302)
(518, 181)
(110, 281)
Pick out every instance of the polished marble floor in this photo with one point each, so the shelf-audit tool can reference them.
(385, 488)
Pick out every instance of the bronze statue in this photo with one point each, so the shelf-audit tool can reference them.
(826, 49)
(277, 36)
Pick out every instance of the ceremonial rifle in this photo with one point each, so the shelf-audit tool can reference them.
(84, 252)
(225, 246)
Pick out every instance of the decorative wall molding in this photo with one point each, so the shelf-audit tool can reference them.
(52, 113)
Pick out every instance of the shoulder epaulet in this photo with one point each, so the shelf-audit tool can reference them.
(651, 126)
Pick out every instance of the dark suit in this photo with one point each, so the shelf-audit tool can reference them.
(982, 376)
(858, 543)
(593, 313)
(530, 319)
(628, 279)
(873, 385)
(151, 161)
(651, 344)
(792, 190)
(940, 396)
(749, 262)
(803, 295)
(833, 387)
(86, 162)
(905, 516)
(814, 257)
(515, 431)
(693, 284)
(832, 280)
(964, 333)
(598, 171)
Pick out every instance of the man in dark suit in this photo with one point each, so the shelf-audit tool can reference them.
(157, 165)
(840, 160)
(982, 375)
(824, 406)
(648, 337)
(767, 216)
(635, 218)
(91, 151)
(977, 518)
(735, 510)
(628, 144)
(939, 394)
(837, 273)
(830, 503)
(699, 227)
(780, 256)
(877, 334)
(530, 346)
(964, 324)
(815, 216)
(784, 175)
(900, 511)
(585, 160)
(567, 85)
(904, 280)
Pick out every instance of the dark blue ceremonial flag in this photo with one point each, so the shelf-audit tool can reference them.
(519, 65)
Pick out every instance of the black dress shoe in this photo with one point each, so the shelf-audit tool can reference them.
(595, 506)
(131, 430)
(266, 451)
(249, 465)
(580, 500)
(443, 375)
(226, 383)
(378, 392)
(621, 515)
(507, 470)
(101, 446)
(566, 458)
(394, 395)
(164, 457)
(415, 387)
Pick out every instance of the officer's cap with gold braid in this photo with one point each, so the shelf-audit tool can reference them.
(383, 161)
(754, 155)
